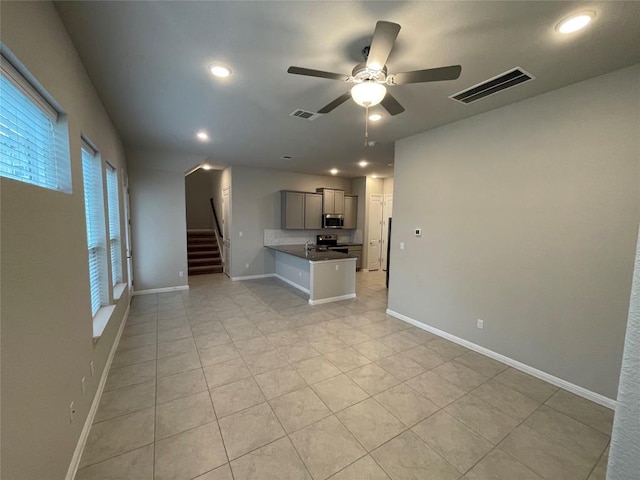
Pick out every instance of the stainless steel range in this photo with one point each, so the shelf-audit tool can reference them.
(330, 241)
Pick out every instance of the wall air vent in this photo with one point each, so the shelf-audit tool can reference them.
(505, 80)
(304, 114)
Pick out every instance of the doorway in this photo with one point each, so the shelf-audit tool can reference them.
(375, 232)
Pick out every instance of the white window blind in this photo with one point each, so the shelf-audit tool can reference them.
(114, 225)
(94, 211)
(32, 143)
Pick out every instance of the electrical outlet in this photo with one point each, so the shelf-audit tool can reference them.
(83, 386)
(401, 245)
(181, 273)
(337, 266)
(72, 412)
(246, 265)
(300, 274)
(480, 324)
(239, 234)
(91, 368)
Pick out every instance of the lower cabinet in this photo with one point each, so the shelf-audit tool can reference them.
(357, 251)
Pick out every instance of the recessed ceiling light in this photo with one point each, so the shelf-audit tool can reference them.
(374, 117)
(374, 176)
(220, 70)
(202, 136)
(333, 171)
(206, 166)
(363, 163)
(575, 22)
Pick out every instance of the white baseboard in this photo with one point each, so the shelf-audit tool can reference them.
(293, 284)
(160, 290)
(252, 277)
(84, 435)
(332, 299)
(558, 382)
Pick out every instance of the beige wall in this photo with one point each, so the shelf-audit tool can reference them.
(46, 344)
(158, 217)
(530, 218)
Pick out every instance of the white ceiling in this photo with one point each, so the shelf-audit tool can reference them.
(148, 62)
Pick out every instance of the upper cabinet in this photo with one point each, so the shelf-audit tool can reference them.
(304, 210)
(332, 200)
(350, 211)
(293, 210)
(312, 211)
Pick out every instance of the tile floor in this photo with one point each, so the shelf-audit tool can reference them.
(245, 380)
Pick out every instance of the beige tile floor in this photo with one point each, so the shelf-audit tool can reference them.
(245, 380)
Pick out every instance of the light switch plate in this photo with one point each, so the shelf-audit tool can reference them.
(418, 232)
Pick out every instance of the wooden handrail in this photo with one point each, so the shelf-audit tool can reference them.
(213, 209)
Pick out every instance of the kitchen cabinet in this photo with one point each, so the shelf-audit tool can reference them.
(293, 210)
(356, 250)
(350, 211)
(332, 200)
(312, 211)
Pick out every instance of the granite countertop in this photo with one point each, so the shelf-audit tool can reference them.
(312, 255)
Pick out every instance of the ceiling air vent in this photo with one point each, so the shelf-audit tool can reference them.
(304, 114)
(503, 81)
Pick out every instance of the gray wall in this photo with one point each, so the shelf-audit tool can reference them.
(624, 457)
(45, 307)
(256, 206)
(530, 218)
(198, 190)
(158, 218)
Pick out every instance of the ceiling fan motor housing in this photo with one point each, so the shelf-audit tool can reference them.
(361, 73)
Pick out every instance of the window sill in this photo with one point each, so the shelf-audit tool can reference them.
(101, 320)
(118, 290)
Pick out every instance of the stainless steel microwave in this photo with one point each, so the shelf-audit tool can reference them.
(332, 220)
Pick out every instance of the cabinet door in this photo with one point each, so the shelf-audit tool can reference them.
(292, 210)
(350, 212)
(338, 199)
(328, 201)
(313, 211)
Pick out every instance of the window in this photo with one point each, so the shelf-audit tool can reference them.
(33, 142)
(114, 225)
(96, 235)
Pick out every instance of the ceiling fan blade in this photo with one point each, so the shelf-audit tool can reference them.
(391, 105)
(384, 37)
(316, 73)
(336, 103)
(429, 75)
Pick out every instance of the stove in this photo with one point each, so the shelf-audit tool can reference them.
(330, 242)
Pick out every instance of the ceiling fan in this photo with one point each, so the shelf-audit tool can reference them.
(371, 76)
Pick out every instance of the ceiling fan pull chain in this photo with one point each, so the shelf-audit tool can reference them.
(366, 125)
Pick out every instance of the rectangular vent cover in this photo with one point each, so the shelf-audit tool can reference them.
(304, 114)
(505, 80)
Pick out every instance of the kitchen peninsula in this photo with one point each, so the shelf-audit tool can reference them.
(326, 276)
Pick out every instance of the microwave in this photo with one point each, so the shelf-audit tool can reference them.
(332, 220)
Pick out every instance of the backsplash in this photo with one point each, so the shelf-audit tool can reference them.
(275, 236)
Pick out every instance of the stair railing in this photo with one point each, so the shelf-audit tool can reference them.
(218, 230)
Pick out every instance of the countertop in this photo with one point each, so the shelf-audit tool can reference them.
(349, 244)
(312, 255)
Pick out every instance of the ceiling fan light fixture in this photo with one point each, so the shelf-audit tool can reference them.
(368, 93)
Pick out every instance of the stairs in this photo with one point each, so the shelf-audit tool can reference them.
(203, 254)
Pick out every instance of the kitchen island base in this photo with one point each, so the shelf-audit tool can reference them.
(324, 279)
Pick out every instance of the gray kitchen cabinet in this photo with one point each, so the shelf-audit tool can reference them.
(357, 251)
(350, 211)
(332, 200)
(312, 211)
(293, 210)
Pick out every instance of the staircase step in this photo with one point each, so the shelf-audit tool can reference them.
(213, 252)
(201, 239)
(205, 269)
(202, 246)
(204, 261)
